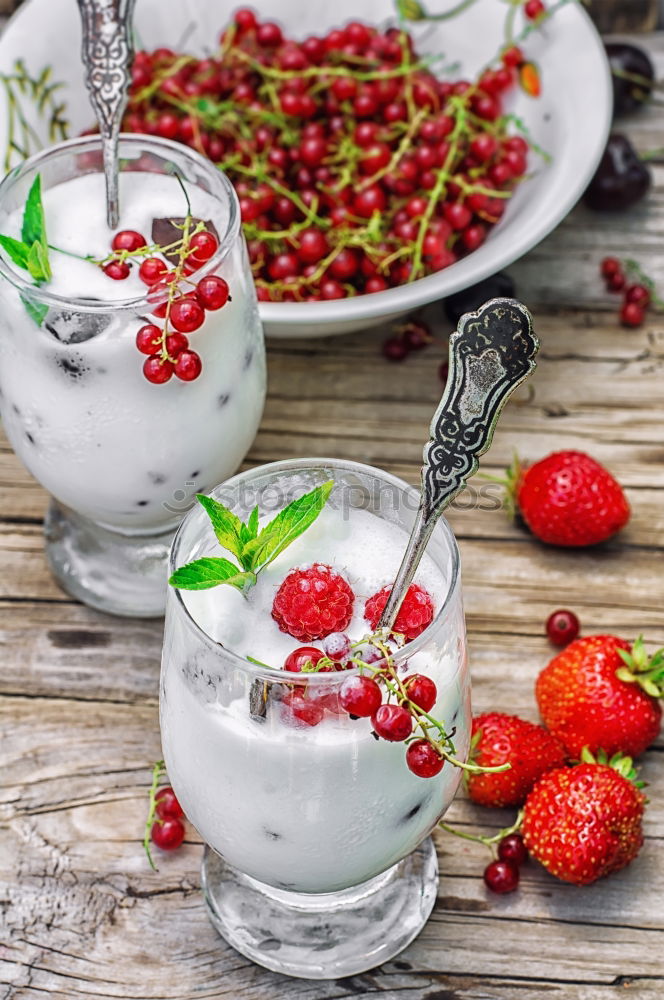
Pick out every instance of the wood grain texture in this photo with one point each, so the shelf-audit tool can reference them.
(82, 917)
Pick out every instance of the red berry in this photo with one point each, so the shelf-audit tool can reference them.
(168, 806)
(512, 848)
(203, 245)
(307, 710)
(128, 239)
(187, 315)
(168, 835)
(501, 876)
(311, 603)
(212, 292)
(513, 57)
(444, 371)
(473, 236)
(303, 657)
(269, 35)
(245, 19)
(360, 696)
(484, 146)
(457, 214)
(423, 759)
(415, 613)
(610, 266)
(395, 348)
(157, 370)
(118, 270)
(152, 270)
(393, 723)
(533, 9)
(331, 289)
(616, 282)
(421, 690)
(176, 343)
(639, 295)
(337, 646)
(312, 246)
(188, 366)
(368, 201)
(632, 315)
(561, 627)
(148, 339)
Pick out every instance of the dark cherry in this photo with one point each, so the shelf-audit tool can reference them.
(621, 179)
(497, 286)
(633, 75)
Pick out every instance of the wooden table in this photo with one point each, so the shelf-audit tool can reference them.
(82, 915)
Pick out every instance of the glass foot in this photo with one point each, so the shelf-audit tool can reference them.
(322, 936)
(120, 574)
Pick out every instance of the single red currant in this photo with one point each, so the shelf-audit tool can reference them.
(421, 690)
(307, 710)
(561, 627)
(148, 339)
(360, 696)
(639, 295)
(167, 835)
(117, 269)
(533, 9)
(303, 658)
(632, 315)
(423, 759)
(395, 348)
(513, 57)
(616, 282)
(128, 239)
(393, 723)
(176, 343)
(168, 806)
(212, 292)
(512, 848)
(152, 270)
(188, 366)
(610, 266)
(337, 646)
(157, 370)
(187, 315)
(501, 876)
(203, 245)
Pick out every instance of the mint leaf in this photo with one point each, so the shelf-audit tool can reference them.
(249, 530)
(202, 574)
(35, 310)
(226, 525)
(34, 224)
(285, 528)
(38, 264)
(16, 250)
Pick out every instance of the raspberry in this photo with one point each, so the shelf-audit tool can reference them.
(415, 613)
(311, 603)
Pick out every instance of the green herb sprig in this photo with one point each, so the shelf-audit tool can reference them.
(253, 549)
(31, 252)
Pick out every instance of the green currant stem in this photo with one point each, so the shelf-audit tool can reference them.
(489, 842)
(157, 772)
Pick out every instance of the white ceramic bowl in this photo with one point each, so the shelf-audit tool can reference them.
(570, 120)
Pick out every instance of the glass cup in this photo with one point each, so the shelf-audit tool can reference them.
(121, 457)
(319, 861)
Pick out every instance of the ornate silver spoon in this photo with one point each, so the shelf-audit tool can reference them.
(491, 353)
(107, 55)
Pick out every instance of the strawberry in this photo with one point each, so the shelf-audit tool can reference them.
(502, 739)
(600, 693)
(569, 499)
(584, 822)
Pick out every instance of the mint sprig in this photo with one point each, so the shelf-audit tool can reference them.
(253, 550)
(30, 253)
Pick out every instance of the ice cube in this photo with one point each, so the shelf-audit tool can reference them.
(72, 327)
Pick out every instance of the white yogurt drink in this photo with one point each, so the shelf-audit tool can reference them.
(306, 809)
(116, 450)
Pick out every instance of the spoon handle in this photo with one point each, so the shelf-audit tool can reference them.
(107, 53)
(491, 353)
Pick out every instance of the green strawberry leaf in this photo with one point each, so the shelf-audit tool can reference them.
(285, 528)
(202, 574)
(226, 525)
(35, 310)
(16, 250)
(34, 224)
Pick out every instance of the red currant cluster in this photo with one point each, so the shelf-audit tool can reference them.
(395, 706)
(636, 297)
(502, 875)
(357, 169)
(164, 826)
(183, 312)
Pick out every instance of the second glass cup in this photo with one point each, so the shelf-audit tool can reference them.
(318, 864)
(121, 456)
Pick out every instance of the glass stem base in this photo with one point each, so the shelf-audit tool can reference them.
(322, 936)
(116, 573)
